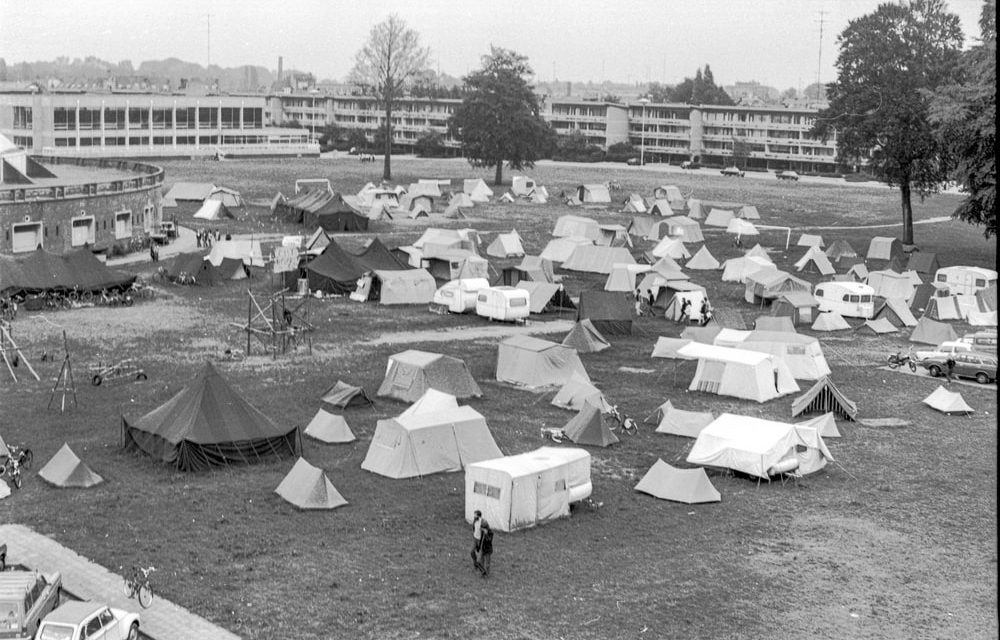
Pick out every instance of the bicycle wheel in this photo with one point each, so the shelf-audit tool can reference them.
(127, 588)
(26, 458)
(17, 480)
(145, 595)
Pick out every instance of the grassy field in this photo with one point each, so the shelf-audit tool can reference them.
(896, 540)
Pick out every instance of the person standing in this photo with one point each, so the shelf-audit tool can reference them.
(477, 534)
(485, 549)
(685, 311)
(706, 312)
(949, 367)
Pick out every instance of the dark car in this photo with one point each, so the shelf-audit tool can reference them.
(788, 175)
(634, 162)
(688, 164)
(972, 364)
(732, 171)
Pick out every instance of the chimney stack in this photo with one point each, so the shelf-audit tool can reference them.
(280, 64)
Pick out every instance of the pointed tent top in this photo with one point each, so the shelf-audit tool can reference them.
(432, 401)
(65, 469)
(948, 402)
(830, 321)
(703, 260)
(588, 428)
(824, 397)
(825, 424)
(329, 428)
(307, 487)
(585, 338)
(680, 422)
(690, 486)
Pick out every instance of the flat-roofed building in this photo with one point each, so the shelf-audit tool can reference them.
(601, 123)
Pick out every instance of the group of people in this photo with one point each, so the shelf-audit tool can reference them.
(644, 307)
(706, 312)
(206, 237)
(482, 544)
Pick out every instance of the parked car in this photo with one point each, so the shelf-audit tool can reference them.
(25, 599)
(788, 175)
(634, 162)
(732, 171)
(688, 164)
(89, 620)
(943, 350)
(985, 341)
(980, 366)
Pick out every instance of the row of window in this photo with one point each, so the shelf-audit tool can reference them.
(28, 236)
(86, 119)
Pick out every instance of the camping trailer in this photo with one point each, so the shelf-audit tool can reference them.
(522, 186)
(507, 304)
(459, 296)
(964, 280)
(849, 299)
(517, 492)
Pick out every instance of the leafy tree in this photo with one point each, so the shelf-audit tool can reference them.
(500, 115)
(620, 152)
(658, 92)
(964, 117)
(430, 145)
(699, 91)
(575, 147)
(878, 107)
(789, 94)
(356, 139)
(387, 65)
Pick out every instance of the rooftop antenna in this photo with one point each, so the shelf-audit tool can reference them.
(208, 40)
(819, 61)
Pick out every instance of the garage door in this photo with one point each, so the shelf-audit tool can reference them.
(27, 236)
(82, 231)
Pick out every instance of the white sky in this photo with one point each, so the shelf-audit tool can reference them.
(775, 42)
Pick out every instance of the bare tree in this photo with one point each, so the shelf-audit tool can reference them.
(386, 65)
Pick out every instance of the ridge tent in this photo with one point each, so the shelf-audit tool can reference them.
(433, 442)
(477, 190)
(704, 335)
(800, 306)
(317, 241)
(194, 265)
(337, 271)
(923, 262)
(947, 402)
(695, 211)
(895, 311)
(409, 286)
(585, 338)
(739, 269)
(932, 332)
(943, 308)
(410, 373)
(545, 296)
(741, 374)
(517, 492)
(661, 208)
(208, 424)
(802, 354)
(668, 348)
(506, 245)
(883, 248)
(609, 311)
(532, 362)
(507, 198)
(889, 284)
(214, 210)
(664, 291)
(278, 200)
(419, 209)
(684, 229)
(668, 269)
(782, 324)
(594, 194)
(577, 227)
(840, 249)
(246, 251)
(670, 193)
(825, 425)
(433, 401)
(880, 326)
(748, 212)
(577, 392)
(66, 470)
(560, 249)
(461, 200)
(759, 447)
(679, 422)
(329, 428)
(522, 185)
(815, 261)
(189, 191)
(453, 212)
(858, 271)
(757, 251)
(345, 395)
(825, 397)
(766, 285)
(670, 248)
(740, 227)
(830, 321)
(810, 240)
(587, 428)
(622, 276)
(231, 269)
(228, 197)
(307, 487)
(718, 218)
(613, 235)
(40, 271)
(689, 486)
(641, 226)
(594, 259)
(537, 269)
(634, 204)
(675, 306)
(977, 318)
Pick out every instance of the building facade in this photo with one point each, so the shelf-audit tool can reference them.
(601, 123)
(136, 125)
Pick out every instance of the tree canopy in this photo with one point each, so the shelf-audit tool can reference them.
(964, 117)
(878, 106)
(387, 64)
(698, 90)
(500, 117)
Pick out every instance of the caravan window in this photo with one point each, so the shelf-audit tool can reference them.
(847, 298)
(481, 297)
(487, 490)
(855, 298)
(819, 293)
(980, 282)
(942, 277)
(518, 302)
(866, 298)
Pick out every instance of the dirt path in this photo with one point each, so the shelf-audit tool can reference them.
(471, 333)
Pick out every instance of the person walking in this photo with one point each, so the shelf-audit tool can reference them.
(706, 312)
(949, 367)
(685, 311)
(485, 549)
(477, 534)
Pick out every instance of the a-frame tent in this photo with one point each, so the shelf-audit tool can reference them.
(609, 311)
(66, 470)
(830, 321)
(825, 424)
(578, 391)
(690, 486)
(879, 327)
(587, 428)
(307, 487)
(585, 338)
(825, 397)
(948, 402)
(345, 395)
(330, 428)
(932, 332)
(815, 261)
(895, 311)
(410, 373)
(840, 249)
(680, 422)
(702, 260)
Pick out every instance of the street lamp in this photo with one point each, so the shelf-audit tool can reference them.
(642, 139)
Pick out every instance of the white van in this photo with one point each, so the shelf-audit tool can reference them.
(459, 296)
(982, 341)
(503, 303)
(849, 299)
(964, 280)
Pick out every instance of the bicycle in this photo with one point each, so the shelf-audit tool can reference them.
(22, 455)
(11, 470)
(137, 585)
(622, 422)
(553, 434)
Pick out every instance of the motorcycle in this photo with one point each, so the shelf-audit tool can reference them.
(899, 359)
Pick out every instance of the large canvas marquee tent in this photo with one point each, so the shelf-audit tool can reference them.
(517, 492)
(337, 271)
(533, 362)
(43, 271)
(208, 424)
(411, 373)
(741, 374)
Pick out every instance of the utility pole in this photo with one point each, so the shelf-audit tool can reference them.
(819, 61)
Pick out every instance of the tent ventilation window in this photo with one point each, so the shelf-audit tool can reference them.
(561, 485)
(487, 490)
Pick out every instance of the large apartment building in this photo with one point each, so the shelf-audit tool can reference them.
(146, 125)
(601, 123)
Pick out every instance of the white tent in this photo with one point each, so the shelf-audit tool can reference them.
(560, 249)
(228, 197)
(718, 218)
(690, 486)
(669, 192)
(810, 240)
(815, 260)
(623, 276)
(702, 260)
(759, 447)
(634, 204)
(613, 235)
(679, 422)
(506, 245)
(522, 185)
(695, 211)
(948, 402)
(830, 321)
(739, 269)
(246, 250)
(213, 210)
(532, 362)
(825, 424)
(594, 194)
(433, 401)
(740, 227)
(408, 286)
(684, 229)
(671, 248)
(517, 492)
(307, 487)
(661, 207)
(889, 284)
(741, 374)
(431, 442)
(477, 190)
(594, 259)
(748, 212)
(577, 226)
(329, 428)
(667, 347)
(801, 353)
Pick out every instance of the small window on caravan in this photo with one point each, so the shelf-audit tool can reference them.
(819, 293)
(847, 298)
(855, 298)
(866, 298)
(980, 282)
(481, 297)
(518, 302)
(942, 277)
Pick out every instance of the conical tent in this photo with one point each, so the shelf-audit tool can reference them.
(585, 338)
(578, 391)
(825, 397)
(307, 487)
(702, 260)
(345, 395)
(679, 422)
(825, 424)
(329, 428)
(690, 486)
(948, 402)
(588, 428)
(65, 470)
(410, 373)
(208, 424)
(830, 321)
(749, 212)
(895, 311)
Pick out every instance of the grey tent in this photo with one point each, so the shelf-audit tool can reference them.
(66, 470)
(345, 395)
(585, 338)
(587, 428)
(825, 397)
(307, 487)
(932, 332)
(410, 373)
(923, 262)
(609, 311)
(689, 486)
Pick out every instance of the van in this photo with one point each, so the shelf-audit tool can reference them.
(26, 597)
(985, 341)
(964, 280)
(503, 303)
(849, 299)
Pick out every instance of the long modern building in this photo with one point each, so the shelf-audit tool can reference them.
(146, 125)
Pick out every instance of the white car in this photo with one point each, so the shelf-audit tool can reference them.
(88, 621)
(943, 350)
(732, 171)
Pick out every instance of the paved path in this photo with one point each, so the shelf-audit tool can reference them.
(84, 579)
(472, 333)
(185, 242)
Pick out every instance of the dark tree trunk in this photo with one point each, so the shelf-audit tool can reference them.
(904, 195)
(498, 179)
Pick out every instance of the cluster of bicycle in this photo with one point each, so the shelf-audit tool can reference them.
(181, 278)
(12, 464)
(74, 298)
(613, 417)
